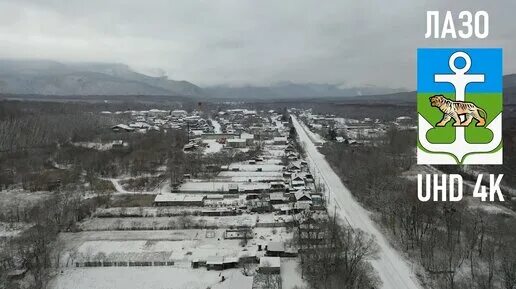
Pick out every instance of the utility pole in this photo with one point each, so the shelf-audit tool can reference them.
(188, 131)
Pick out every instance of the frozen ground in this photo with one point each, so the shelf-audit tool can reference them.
(217, 186)
(97, 145)
(146, 211)
(254, 168)
(216, 126)
(72, 240)
(148, 277)
(177, 222)
(250, 174)
(180, 246)
(160, 223)
(394, 271)
(253, 176)
(212, 146)
(162, 187)
(291, 274)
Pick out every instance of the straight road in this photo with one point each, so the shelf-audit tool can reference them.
(395, 272)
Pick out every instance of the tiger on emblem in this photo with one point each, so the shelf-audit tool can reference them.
(454, 109)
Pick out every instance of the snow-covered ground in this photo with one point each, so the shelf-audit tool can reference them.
(162, 187)
(145, 211)
(98, 145)
(217, 186)
(216, 126)
(128, 223)
(148, 277)
(179, 246)
(251, 174)
(394, 271)
(74, 240)
(212, 146)
(291, 274)
(255, 167)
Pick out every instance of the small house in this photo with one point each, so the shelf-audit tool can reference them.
(221, 263)
(122, 127)
(270, 265)
(236, 143)
(297, 181)
(277, 198)
(233, 188)
(302, 196)
(280, 140)
(249, 138)
(170, 199)
(275, 249)
(294, 167)
(277, 186)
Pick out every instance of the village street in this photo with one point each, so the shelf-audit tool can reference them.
(394, 271)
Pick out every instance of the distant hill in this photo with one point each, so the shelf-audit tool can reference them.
(54, 78)
(289, 90)
(509, 89)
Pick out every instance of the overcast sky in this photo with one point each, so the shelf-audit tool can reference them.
(245, 42)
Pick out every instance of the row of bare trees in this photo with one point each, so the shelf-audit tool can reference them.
(334, 255)
(457, 245)
(36, 249)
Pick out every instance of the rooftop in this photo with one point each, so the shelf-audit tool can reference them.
(169, 197)
(270, 262)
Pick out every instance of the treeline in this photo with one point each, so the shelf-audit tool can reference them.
(334, 255)
(457, 245)
(37, 146)
(30, 125)
(36, 250)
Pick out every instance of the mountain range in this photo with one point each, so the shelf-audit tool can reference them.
(54, 78)
(46, 77)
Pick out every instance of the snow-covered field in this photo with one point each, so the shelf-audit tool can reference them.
(164, 186)
(212, 146)
(146, 211)
(217, 186)
(253, 176)
(255, 167)
(250, 174)
(179, 246)
(394, 271)
(98, 145)
(182, 252)
(148, 277)
(161, 223)
(76, 239)
(291, 274)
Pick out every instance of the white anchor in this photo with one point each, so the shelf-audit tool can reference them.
(460, 148)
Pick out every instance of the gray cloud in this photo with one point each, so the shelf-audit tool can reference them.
(245, 42)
